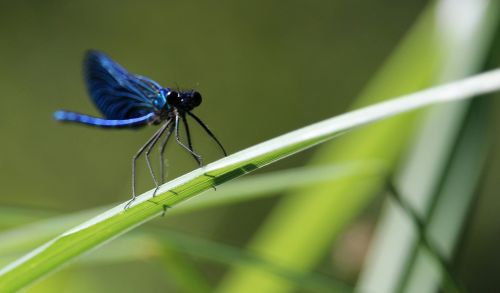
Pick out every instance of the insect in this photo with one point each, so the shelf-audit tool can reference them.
(128, 100)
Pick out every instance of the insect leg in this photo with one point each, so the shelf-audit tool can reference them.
(134, 159)
(177, 138)
(148, 151)
(188, 134)
(162, 153)
(210, 133)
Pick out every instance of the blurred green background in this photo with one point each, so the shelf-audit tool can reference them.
(263, 68)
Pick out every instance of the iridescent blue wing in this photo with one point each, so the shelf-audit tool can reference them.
(117, 93)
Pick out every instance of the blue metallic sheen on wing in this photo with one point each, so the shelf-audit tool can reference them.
(68, 116)
(118, 94)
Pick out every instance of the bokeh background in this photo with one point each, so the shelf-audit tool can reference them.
(263, 68)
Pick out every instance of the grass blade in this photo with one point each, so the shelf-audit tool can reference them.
(453, 201)
(394, 245)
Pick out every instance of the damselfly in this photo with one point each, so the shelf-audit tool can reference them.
(128, 100)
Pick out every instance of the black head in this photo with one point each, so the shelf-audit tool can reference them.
(185, 101)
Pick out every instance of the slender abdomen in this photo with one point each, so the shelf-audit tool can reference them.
(67, 116)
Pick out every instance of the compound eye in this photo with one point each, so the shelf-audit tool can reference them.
(196, 99)
(173, 98)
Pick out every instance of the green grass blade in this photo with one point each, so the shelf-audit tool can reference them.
(394, 243)
(116, 221)
(453, 201)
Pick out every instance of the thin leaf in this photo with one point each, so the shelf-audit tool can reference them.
(453, 201)
(393, 252)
